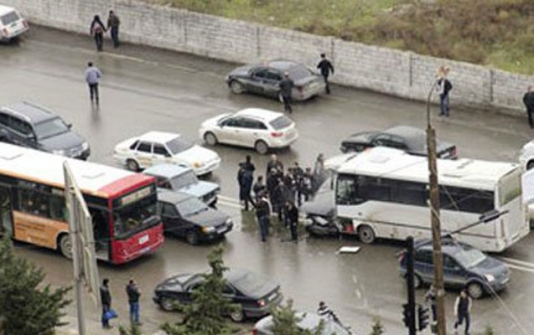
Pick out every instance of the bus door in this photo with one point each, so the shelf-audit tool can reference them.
(101, 234)
(6, 224)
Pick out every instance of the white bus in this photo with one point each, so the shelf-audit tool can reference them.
(384, 193)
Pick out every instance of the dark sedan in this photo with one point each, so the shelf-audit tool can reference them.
(264, 79)
(409, 139)
(186, 216)
(253, 294)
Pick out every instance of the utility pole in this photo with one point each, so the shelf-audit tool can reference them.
(435, 221)
(409, 308)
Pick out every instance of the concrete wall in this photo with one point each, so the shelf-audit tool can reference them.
(399, 73)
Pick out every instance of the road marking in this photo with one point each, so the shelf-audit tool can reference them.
(511, 260)
(228, 199)
(519, 268)
(228, 204)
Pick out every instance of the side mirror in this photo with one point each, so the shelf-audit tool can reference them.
(69, 125)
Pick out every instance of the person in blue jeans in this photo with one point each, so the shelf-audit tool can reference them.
(444, 86)
(133, 300)
(105, 298)
(263, 212)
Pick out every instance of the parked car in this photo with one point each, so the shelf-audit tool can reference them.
(409, 139)
(186, 216)
(12, 24)
(33, 126)
(252, 127)
(183, 179)
(254, 294)
(264, 79)
(463, 267)
(158, 147)
(308, 321)
(526, 156)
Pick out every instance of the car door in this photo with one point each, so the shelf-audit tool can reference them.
(160, 154)
(250, 131)
(453, 273)
(171, 218)
(230, 130)
(258, 80)
(22, 132)
(272, 83)
(143, 154)
(423, 265)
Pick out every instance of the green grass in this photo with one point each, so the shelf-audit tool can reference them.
(496, 33)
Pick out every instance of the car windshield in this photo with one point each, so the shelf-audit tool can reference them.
(299, 72)
(9, 18)
(134, 216)
(184, 180)
(469, 258)
(191, 206)
(249, 283)
(178, 145)
(281, 122)
(50, 128)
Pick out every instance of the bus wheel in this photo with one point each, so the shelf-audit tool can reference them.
(65, 246)
(366, 234)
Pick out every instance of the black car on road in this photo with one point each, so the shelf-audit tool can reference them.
(29, 125)
(264, 79)
(254, 295)
(186, 216)
(410, 139)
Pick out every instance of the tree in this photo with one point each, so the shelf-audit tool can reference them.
(488, 331)
(285, 322)
(206, 314)
(25, 308)
(378, 328)
(133, 330)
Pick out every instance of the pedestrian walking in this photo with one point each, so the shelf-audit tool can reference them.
(105, 298)
(113, 27)
(528, 100)
(430, 298)
(247, 164)
(326, 67)
(245, 180)
(133, 293)
(263, 213)
(286, 87)
(97, 30)
(279, 199)
(444, 86)
(292, 217)
(319, 175)
(325, 312)
(92, 77)
(462, 311)
(258, 187)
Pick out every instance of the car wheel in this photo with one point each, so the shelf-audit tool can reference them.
(530, 165)
(237, 315)
(261, 147)
(210, 139)
(65, 246)
(167, 304)
(237, 87)
(132, 165)
(475, 290)
(366, 234)
(417, 282)
(192, 237)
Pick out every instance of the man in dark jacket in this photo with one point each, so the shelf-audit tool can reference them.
(279, 199)
(245, 180)
(528, 100)
(274, 163)
(443, 87)
(286, 87)
(292, 218)
(97, 30)
(263, 213)
(133, 300)
(462, 311)
(258, 187)
(105, 298)
(113, 27)
(248, 165)
(326, 68)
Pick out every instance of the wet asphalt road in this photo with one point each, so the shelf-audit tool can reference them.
(145, 89)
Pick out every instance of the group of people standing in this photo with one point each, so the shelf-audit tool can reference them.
(97, 30)
(133, 293)
(280, 193)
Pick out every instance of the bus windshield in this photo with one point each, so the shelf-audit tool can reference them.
(135, 216)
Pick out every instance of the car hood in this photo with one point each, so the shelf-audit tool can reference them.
(200, 189)
(321, 205)
(208, 218)
(65, 140)
(240, 71)
(491, 266)
(197, 154)
(212, 122)
(361, 137)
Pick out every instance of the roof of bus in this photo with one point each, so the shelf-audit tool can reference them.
(397, 164)
(46, 168)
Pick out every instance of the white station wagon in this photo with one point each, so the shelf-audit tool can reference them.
(256, 128)
(157, 147)
(12, 25)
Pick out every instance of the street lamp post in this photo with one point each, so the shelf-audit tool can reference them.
(435, 221)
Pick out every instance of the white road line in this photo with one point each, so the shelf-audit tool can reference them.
(228, 204)
(228, 199)
(519, 268)
(516, 261)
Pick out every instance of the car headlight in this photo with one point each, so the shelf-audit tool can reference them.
(489, 278)
(85, 146)
(208, 229)
(61, 152)
(198, 164)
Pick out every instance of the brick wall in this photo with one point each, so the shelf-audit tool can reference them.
(399, 73)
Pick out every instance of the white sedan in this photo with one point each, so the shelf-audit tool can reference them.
(256, 128)
(157, 147)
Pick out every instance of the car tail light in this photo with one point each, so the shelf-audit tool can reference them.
(277, 134)
(261, 302)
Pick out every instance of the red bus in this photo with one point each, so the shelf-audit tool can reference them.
(122, 204)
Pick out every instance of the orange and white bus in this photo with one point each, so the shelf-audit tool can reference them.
(122, 204)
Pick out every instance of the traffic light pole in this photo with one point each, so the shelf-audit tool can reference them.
(410, 311)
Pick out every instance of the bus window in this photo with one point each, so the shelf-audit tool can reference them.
(346, 190)
(466, 200)
(58, 211)
(131, 218)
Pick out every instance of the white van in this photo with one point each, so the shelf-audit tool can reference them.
(12, 25)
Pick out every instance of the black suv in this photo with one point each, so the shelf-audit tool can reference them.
(33, 126)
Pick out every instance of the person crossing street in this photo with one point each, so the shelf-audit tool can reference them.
(286, 88)
(326, 68)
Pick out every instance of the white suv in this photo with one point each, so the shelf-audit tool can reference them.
(256, 128)
(526, 156)
(12, 25)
